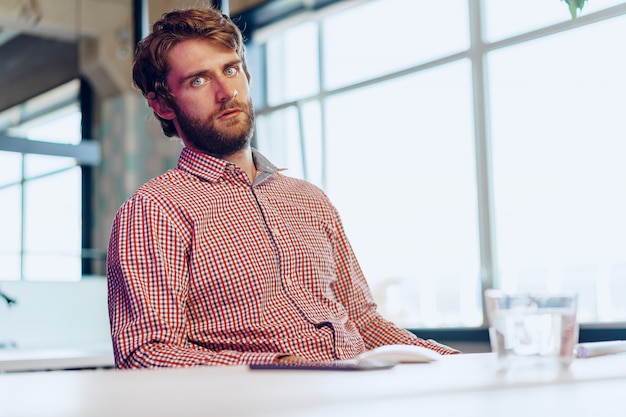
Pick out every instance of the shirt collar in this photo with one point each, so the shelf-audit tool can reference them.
(210, 168)
(264, 167)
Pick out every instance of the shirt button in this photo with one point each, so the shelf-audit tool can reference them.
(275, 231)
(287, 281)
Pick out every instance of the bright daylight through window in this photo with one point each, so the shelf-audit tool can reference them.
(40, 214)
(459, 164)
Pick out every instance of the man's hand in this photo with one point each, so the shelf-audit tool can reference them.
(292, 359)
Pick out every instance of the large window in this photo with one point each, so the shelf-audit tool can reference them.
(558, 165)
(466, 144)
(40, 187)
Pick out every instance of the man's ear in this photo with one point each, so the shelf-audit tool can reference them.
(160, 107)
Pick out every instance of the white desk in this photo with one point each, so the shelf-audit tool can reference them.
(462, 385)
(43, 359)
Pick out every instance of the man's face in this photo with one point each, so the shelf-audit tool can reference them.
(212, 111)
(215, 137)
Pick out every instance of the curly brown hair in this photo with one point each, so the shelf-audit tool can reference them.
(151, 59)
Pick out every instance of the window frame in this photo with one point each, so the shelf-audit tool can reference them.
(254, 20)
(86, 154)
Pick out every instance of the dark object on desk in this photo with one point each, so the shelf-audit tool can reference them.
(332, 366)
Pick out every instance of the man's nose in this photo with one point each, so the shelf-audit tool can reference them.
(226, 93)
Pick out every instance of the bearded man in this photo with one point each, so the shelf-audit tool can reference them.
(224, 260)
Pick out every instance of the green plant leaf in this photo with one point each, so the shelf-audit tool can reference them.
(575, 6)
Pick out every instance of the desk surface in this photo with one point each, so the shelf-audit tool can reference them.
(44, 359)
(460, 385)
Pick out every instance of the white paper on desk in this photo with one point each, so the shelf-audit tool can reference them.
(592, 349)
(400, 354)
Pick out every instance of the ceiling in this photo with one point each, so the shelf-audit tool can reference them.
(45, 43)
(30, 65)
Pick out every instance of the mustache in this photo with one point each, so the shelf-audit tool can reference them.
(246, 107)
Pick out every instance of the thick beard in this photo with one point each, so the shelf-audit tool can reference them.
(206, 138)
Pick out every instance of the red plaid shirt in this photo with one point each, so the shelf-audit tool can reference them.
(205, 268)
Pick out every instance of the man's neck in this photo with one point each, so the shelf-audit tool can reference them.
(243, 159)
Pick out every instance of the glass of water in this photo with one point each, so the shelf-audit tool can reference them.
(532, 329)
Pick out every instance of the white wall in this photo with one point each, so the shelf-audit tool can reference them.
(55, 314)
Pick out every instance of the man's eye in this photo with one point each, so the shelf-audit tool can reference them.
(197, 81)
(231, 71)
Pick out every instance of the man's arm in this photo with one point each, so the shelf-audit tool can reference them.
(148, 284)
